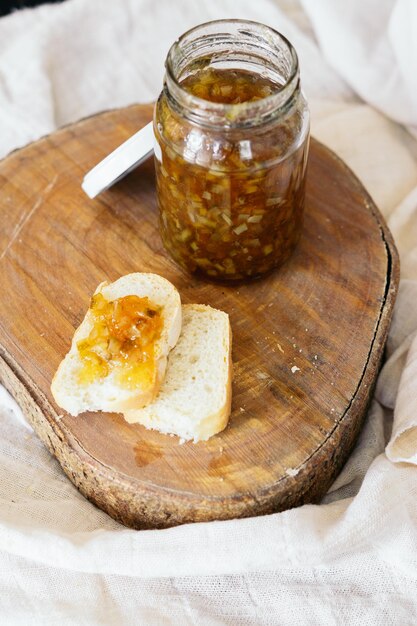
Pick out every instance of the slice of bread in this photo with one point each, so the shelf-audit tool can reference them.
(105, 393)
(194, 401)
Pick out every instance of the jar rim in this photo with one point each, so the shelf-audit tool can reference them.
(203, 110)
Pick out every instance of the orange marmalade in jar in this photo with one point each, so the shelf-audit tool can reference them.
(232, 132)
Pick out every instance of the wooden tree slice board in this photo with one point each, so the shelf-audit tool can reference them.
(327, 312)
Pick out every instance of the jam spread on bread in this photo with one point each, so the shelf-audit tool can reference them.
(123, 337)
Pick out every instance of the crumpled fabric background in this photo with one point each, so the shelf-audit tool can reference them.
(351, 559)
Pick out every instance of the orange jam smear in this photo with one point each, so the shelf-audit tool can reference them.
(123, 336)
(230, 209)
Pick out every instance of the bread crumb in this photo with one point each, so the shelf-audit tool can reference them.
(242, 410)
(295, 369)
(280, 348)
(292, 472)
(261, 375)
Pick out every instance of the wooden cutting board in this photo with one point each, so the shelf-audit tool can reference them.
(326, 313)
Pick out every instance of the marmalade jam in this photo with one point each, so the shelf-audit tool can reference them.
(123, 336)
(230, 166)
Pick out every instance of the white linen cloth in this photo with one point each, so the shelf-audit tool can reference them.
(373, 45)
(351, 559)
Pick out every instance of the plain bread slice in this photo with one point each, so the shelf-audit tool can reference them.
(194, 401)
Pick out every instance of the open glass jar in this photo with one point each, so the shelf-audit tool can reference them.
(232, 129)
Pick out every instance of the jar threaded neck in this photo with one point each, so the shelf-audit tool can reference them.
(232, 44)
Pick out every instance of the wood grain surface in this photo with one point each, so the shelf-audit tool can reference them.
(326, 312)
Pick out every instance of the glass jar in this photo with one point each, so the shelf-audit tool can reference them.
(232, 133)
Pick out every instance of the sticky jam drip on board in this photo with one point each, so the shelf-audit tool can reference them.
(123, 336)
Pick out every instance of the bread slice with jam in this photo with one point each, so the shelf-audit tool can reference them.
(118, 355)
